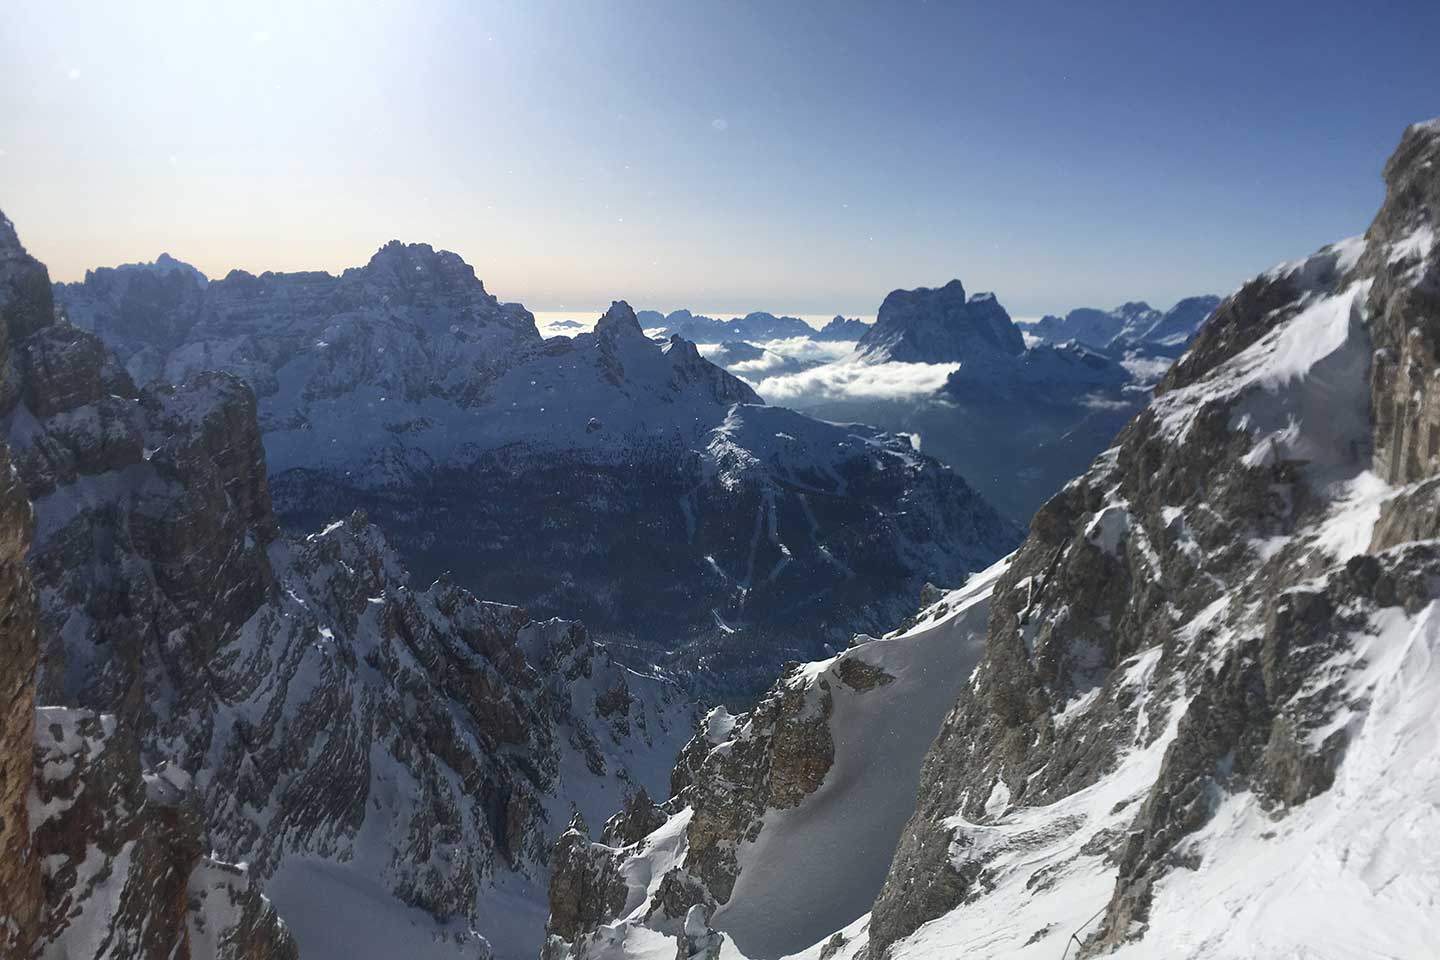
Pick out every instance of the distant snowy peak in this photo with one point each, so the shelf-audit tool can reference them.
(841, 328)
(1132, 325)
(408, 303)
(940, 325)
(418, 269)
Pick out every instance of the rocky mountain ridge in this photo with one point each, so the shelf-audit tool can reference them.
(843, 328)
(101, 857)
(701, 530)
(393, 761)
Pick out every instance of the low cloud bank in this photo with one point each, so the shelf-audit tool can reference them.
(856, 381)
(783, 354)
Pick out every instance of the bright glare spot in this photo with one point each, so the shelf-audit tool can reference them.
(73, 74)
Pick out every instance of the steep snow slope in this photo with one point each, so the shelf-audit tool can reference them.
(816, 867)
(1203, 723)
(785, 817)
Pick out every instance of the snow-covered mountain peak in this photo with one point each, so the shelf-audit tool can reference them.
(168, 264)
(1132, 330)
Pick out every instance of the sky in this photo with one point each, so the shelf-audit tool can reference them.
(726, 156)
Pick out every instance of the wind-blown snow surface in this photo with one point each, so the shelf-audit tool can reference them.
(1353, 874)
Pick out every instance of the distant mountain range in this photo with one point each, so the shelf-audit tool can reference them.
(1017, 419)
(753, 327)
(223, 704)
(604, 476)
(1130, 326)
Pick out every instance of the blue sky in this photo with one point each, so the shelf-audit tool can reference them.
(793, 156)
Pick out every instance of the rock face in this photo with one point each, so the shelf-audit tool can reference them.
(23, 288)
(703, 531)
(124, 871)
(940, 326)
(389, 752)
(781, 820)
(1194, 666)
(100, 858)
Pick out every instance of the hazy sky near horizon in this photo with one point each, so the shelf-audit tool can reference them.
(795, 157)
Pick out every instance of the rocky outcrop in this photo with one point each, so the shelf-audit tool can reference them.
(100, 858)
(23, 290)
(585, 883)
(334, 728)
(940, 325)
(1405, 378)
(1183, 656)
(124, 870)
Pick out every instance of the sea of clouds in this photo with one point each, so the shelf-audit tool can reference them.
(850, 380)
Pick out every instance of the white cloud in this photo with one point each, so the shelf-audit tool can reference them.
(720, 124)
(781, 353)
(857, 381)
